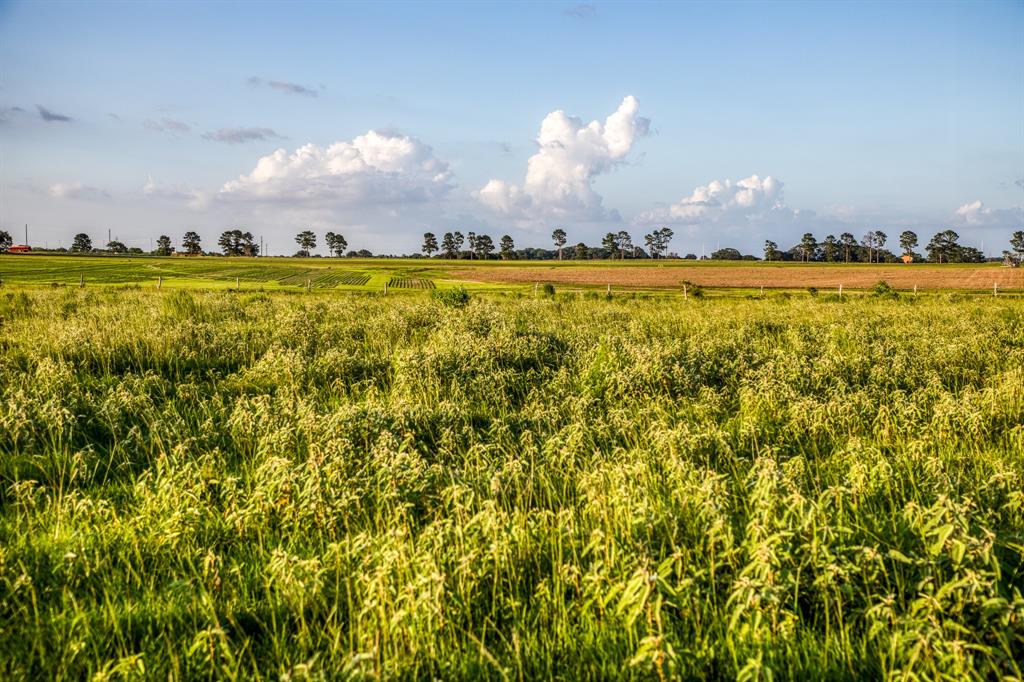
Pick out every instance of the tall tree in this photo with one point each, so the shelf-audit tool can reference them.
(336, 243)
(665, 235)
(448, 245)
(6, 241)
(908, 242)
(849, 244)
(771, 250)
(559, 238)
(230, 242)
(880, 238)
(471, 244)
(651, 240)
(116, 247)
(830, 248)
(1017, 244)
(507, 247)
(868, 242)
(483, 245)
(580, 251)
(227, 243)
(247, 245)
(81, 243)
(306, 241)
(429, 243)
(610, 243)
(192, 243)
(943, 248)
(808, 247)
(163, 246)
(624, 242)
(657, 241)
(459, 241)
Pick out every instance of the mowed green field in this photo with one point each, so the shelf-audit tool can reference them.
(256, 485)
(411, 275)
(218, 273)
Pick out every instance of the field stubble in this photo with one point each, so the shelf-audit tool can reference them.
(789, 276)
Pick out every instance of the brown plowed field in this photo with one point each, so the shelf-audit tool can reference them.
(859, 276)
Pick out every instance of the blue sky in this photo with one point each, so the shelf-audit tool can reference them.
(731, 123)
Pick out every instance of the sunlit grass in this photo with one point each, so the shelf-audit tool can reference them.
(259, 484)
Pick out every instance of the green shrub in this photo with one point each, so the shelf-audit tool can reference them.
(881, 289)
(456, 297)
(693, 290)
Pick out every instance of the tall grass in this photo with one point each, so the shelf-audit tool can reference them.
(204, 485)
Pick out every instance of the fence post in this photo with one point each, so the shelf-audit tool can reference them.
(609, 292)
(685, 296)
(840, 291)
(915, 290)
(159, 282)
(81, 281)
(995, 288)
(535, 289)
(385, 288)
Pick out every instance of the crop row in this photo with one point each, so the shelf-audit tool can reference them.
(410, 283)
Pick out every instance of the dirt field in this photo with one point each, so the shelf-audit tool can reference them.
(859, 276)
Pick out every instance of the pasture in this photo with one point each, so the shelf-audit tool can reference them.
(263, 485)
(409, 274)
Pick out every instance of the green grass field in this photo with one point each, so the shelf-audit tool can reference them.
(214, 273)
(241, 485)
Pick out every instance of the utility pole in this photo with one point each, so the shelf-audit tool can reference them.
(26, 234)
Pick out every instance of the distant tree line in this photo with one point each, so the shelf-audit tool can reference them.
(944, 247)
(473, 246)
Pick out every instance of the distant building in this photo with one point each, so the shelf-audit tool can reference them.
(908, 259)
(19, 248)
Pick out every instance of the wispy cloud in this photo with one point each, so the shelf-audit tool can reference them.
(51, 116)
(241, 135)
(7, 112)
(284, 86)
(166, 124)
(581, 11)
(76, 190)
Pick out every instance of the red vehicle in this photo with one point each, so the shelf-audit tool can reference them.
(19, 248)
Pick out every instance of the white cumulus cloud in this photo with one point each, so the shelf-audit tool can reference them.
(373, 169)
(560, 176)
(977, 214)
(725, 203)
